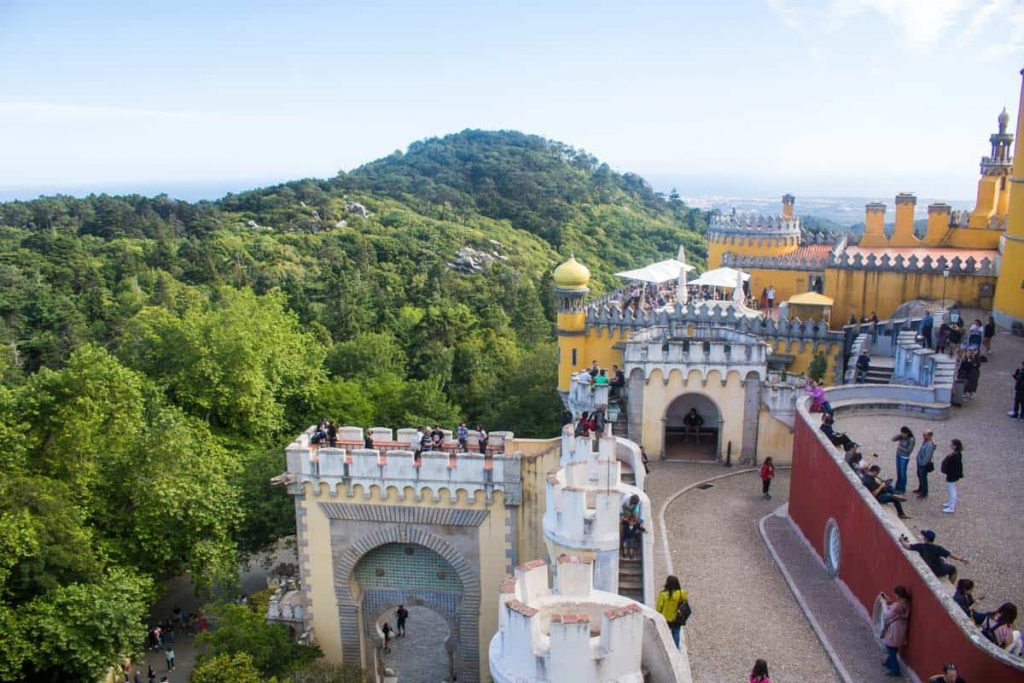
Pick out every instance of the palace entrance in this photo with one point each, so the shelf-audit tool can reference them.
(431, 591)
(684, 442)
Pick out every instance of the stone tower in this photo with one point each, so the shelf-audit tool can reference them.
(1008, 305)
(570, 280)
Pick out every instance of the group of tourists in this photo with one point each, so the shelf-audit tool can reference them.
(596, 376)
(388, 634)
(631, 526)
(426, 439)
(887, 491)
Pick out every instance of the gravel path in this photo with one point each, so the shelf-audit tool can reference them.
(743, 609)
(986, 527)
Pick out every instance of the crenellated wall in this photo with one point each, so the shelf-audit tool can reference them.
(574, 632)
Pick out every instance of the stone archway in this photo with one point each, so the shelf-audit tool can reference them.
(358, 615)
(678, 443)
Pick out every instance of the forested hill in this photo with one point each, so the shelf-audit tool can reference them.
(157, 355)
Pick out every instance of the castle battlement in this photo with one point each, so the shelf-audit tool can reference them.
(754, 225)
(706, 349)
(343, 469)
(574, 632)
(912, 264)
(583, 515)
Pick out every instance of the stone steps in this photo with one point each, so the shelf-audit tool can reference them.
(631, 578)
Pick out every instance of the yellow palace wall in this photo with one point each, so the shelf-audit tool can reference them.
(589, 347)
(492, 545)
(774, 439)
(748, 247)
(859, 292)
(787, 283)
(804, 353)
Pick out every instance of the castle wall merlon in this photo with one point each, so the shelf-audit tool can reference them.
(912, 264)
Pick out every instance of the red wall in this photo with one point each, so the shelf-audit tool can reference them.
(872, 561)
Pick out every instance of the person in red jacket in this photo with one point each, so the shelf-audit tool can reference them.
(767, 474)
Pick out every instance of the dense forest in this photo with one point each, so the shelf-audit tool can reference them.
(157, 355)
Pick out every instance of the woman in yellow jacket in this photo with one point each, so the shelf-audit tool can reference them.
(668, 603)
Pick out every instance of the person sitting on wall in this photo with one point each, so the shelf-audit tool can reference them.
(949, 675)
(602, 379)
(631, 524)
(964, 597)
(837, 438)
(882, 490)
(693, 422)
(998, 628)
(934, 555)
(436, 438)
(863, 365)
(367, 439)
(819, 404)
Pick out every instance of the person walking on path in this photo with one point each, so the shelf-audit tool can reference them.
(953, 468)
(895, 616)
(767, 474)
(863, 365)
(925, 455)
(169, 655)
(1018, 393)
(759, 674)
(667, 605)
(925, 329)
(903, 451)
(934, 555)
(387, 631)
(400, 616)
(987, 334)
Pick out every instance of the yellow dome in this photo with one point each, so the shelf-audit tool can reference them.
(571, 275)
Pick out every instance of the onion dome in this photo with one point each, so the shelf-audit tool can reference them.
(571, 275)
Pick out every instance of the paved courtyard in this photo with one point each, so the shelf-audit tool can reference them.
(420, 657)
(986, 527)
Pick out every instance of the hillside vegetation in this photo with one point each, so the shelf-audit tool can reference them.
(158, 355)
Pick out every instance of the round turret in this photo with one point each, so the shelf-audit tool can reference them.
(571, 275)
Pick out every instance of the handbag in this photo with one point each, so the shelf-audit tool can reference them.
(930, 467)
(683, 612)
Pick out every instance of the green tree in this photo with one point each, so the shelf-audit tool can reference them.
(819, 365)
(236, 667)
(241, 630)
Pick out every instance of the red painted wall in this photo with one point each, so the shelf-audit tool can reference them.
(872, 561)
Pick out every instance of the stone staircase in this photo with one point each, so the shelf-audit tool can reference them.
(880, 371)
(631, 577)
(621, 425)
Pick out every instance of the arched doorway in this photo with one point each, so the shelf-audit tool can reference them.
(684, 443)
(430, 589)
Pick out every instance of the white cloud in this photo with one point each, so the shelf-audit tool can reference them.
(923, 25)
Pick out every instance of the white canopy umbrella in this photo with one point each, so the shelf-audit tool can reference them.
(720, 277)
(681, 295)
(662, 271)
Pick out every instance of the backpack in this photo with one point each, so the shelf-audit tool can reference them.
(683, 613)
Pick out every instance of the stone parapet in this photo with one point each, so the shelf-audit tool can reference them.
(706, 349)
(577, 633)
(912, 264)
(430, 473)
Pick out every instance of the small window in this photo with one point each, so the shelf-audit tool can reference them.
(574, 357)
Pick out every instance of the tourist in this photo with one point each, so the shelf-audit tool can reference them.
(764, 299)
(874, 318)
(600, 421)
(949, 675)
(482, 433)
(853, 319)
(895, 616)
(882, 490)
(583, 379)
(386, 631)
(462, 434)
(974, 335)
(667, 605)
(581, 425)
(767, 474)
(934, 555)
(151, 675)
(169, 656)
(565, 420)
(401, 614)
(631, 525)
(436, 438)
(594, 370)
(924, 329)
(602, 379)
(925, 463)
(693, 422)
(987, 333)
(367, 440)
(956, 335)
(759, 674)
(942, 338)
(998, 626)
(332, 434)
(964, 597)
(618, 380)
(970, 372)
(1018, 393)
(863, 365)
(903, 450)
(819, 403)
(771, 297)
(837, 438)
(643, 459)
(953, 467)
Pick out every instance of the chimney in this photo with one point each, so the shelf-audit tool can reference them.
(874, 225)
(903, 234)
(938, 223)
(787, 205)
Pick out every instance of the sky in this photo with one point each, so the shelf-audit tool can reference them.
(826, 97)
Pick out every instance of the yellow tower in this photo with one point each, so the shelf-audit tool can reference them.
(1009, 300)
(993, 197)
(570, 280)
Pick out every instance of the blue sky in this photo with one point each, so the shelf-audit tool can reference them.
(835, 97)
